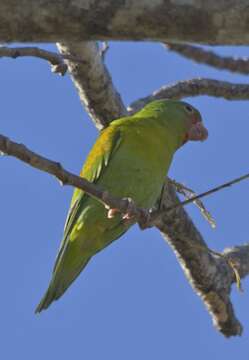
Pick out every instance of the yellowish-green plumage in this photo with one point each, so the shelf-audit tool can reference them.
(129, 159)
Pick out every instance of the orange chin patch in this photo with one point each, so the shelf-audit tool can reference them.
(197, 132)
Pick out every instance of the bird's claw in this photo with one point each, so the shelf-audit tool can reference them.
(132, 213)
(130, 210)
(111, 213)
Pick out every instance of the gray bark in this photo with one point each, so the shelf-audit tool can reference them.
(201, 56)
(195, 87)
(200, 21)
(93, 82)
(210, 275)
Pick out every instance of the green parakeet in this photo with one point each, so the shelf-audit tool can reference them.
(130, 158)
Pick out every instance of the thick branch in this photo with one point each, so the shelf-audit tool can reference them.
(201, 21)
(195, 87)
(211, 276)
(93, 82)
(202, 56)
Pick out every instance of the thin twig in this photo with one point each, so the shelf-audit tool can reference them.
(189, 194)
(56, 60)
(156, 215)
(209, 192)
(199, 55)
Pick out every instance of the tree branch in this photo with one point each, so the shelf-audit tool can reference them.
(93, 82)
(195, 87)
(210, 275)
(200, 21)
(190, 194)
(21, 152)
(202, 56)
(197, 197)
(56, 60)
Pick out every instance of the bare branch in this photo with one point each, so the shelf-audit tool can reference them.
(202, 56)
(37, 161)
(195, 87)
(209, 192)
(93, 82)
(199, 21)
(56, 60)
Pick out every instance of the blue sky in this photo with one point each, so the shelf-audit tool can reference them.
(132, 301)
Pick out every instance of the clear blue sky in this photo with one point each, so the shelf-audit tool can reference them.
(132, 301)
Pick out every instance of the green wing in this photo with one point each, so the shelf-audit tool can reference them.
(97, 160)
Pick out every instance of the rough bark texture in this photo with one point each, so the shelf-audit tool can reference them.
(201, 21)
(91, 76)
(195, 87)
(210, 275)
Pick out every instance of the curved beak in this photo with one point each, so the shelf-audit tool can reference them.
(197, 132)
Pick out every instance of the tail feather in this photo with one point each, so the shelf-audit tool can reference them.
(47, 299)
(58, 285)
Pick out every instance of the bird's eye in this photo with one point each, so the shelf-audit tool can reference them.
(189, 109)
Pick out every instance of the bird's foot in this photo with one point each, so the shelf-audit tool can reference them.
(112, 212)
(132, 213)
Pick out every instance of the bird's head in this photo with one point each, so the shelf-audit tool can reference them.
(181, 119)
(196, 131)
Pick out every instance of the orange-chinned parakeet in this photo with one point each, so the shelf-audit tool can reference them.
(130, 158)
